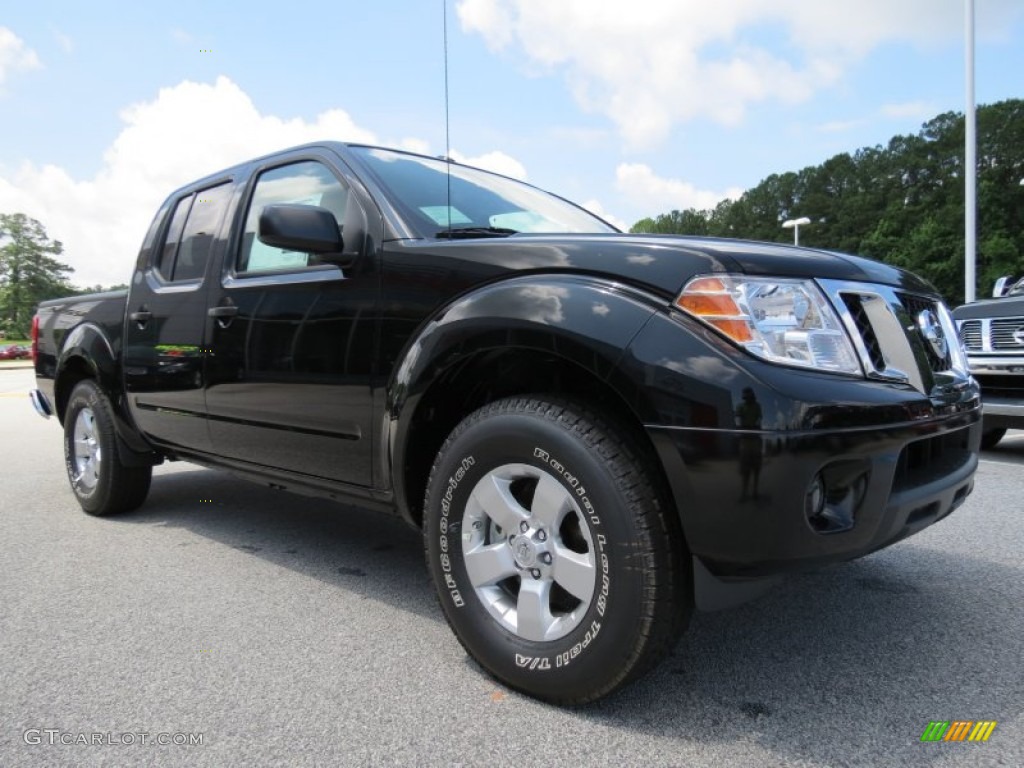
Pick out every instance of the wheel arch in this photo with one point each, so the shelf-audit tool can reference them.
(494, 344)
(88, 354)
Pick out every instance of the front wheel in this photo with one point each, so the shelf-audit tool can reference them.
(102, 483)
(556, 560)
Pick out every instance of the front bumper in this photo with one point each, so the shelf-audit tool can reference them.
(774, 469)
(888, 482)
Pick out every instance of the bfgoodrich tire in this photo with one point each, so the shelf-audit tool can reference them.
(102, 484)
(556, 561)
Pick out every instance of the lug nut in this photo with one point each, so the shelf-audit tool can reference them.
(524, 526)
(545, 557)
(535, 572)
(541, 535)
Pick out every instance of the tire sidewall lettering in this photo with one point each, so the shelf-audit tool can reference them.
(445, 526)
(461, 475)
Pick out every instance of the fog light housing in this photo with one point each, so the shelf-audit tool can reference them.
(814, 499)
(835, 495)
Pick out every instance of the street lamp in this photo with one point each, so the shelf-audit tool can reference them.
(795, 225)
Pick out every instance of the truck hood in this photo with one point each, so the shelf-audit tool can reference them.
(664, 263)
(1007, 306)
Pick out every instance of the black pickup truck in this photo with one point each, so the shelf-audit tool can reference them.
(595, 431)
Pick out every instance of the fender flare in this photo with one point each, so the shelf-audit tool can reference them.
(585, 320)
(86, 343)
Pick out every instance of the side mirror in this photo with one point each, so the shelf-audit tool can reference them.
(999, 289)
(306, 228)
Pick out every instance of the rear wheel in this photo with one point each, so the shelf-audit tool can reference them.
(991, 438)
(557, 563)
(102, 483)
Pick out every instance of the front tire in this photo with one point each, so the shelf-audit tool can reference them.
(101, 482)
(557, 562)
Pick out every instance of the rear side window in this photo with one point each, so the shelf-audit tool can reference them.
(194, 226)
(306, 183)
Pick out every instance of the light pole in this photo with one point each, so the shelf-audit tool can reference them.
(795, 225)
(970, 158)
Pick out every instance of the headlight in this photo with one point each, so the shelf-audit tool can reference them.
(782, 320)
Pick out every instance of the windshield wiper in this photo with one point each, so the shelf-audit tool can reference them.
(461, 232)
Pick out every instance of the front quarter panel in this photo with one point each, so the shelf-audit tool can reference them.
(588, 322)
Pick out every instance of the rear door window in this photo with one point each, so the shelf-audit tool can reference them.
(195, 226)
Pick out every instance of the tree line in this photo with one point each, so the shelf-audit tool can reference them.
(902, 204)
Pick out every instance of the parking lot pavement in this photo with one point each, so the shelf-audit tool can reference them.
(288, 630)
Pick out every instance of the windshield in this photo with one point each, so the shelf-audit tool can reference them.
(481, 204)
(1017, 289)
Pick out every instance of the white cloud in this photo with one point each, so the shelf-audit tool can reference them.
(15, 56)
(648, 191)
(651, 64)
(838, 126)
(186, 132)
(496, 161)
(595, 207)
(910, 109)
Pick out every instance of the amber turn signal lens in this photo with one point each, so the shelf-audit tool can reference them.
(709, 304)
(735, 329)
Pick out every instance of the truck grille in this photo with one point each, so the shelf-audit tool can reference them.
(915, 305)
(1004, 334)
(971, 335)
(890, 330)
(925, 461)
(1008, 333)
(860, 317)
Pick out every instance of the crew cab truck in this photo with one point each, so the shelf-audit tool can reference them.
(596, 432)
(993, 333)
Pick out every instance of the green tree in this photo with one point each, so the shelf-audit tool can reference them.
(901, 203)
(29, 273)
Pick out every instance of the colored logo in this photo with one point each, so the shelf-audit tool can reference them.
(958, 730)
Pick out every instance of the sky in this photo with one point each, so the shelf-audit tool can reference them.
(629, 108)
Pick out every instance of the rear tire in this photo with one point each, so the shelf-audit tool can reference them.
(101, 482)
(557, 562)
(991, 438)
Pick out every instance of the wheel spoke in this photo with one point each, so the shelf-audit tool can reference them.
(497, 502)
(575, 573)
(82, 448)
(550, 500)
(487, 565)
(533, 610)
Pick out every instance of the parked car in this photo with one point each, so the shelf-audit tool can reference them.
(14, 352)
(595, 431)
(992, 331)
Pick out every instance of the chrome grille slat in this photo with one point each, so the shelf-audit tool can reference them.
(971, 335)
(1002, 332)
(867, 333)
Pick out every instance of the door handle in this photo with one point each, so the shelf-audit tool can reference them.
(223, 314)
(141, 317)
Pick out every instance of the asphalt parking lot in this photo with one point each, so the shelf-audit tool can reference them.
(285, 630)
